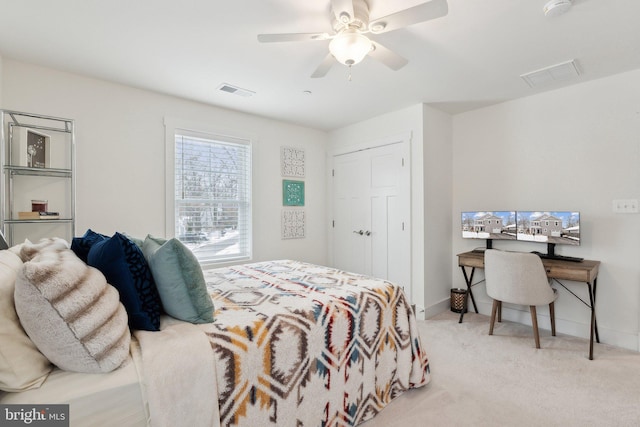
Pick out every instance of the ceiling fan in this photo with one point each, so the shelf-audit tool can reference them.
(350, 21)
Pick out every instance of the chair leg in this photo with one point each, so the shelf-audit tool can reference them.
(534, 321)
(499, 311)
(552, 315)
(493, 315)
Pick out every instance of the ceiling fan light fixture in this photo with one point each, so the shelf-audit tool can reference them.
(378, 26)
(556, 7)
(350, 47)
(345, 18)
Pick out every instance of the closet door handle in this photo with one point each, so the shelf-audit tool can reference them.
(359, 232)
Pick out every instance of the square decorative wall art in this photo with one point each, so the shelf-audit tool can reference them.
(293, 224)
(292, 162)
(292, 193)
(31, 148)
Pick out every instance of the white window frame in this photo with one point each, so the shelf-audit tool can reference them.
(176, 126)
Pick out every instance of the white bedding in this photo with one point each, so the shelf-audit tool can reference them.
(105, 400)
(338, 348)
(169, 380)
(179, 376)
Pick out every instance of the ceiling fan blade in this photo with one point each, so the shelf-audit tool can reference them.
(343, 9)
(420, 13)
(387, 57)
(324, 67)
(292, 37)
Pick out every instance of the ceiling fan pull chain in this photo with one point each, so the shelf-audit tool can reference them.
(349, 72)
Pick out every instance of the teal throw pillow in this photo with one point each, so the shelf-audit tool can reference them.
(179, 279)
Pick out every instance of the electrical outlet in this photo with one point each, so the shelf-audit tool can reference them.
(625, 206)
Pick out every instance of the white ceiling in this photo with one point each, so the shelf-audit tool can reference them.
(470, 58)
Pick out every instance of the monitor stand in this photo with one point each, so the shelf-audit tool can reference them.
(551, 254)
(481, 250)
(551, 250)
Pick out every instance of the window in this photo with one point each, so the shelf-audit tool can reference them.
(212, 195)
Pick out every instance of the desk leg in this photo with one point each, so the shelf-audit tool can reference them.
(594, 325)
(468, 280)
(595, 320)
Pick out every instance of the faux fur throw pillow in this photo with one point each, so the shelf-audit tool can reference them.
(70, 312)
(28, 250)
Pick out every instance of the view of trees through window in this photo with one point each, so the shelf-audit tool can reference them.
(212, 200)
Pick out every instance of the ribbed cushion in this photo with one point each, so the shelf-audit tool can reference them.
(71, 313)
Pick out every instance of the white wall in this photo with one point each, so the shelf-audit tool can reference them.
(426, 145)
(576, 148)
(1, 79)
(120, 156)
(438, 196)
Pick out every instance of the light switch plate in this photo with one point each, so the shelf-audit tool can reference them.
(625, 206)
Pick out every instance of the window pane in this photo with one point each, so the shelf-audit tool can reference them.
(212, 199)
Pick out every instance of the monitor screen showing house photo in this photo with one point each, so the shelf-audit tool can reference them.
(495, 225)
(549, 227)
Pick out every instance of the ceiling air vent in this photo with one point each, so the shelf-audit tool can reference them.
(224, 87)
(564, 71)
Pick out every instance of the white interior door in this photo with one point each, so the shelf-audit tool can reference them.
(371, 195)
(350, 206)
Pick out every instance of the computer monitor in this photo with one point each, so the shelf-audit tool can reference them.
(489, 225)
(550, 227)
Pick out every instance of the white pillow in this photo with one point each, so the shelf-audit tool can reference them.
(71, 313)
(22, 366)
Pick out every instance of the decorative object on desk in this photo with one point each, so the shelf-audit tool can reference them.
(292, 162)
(31, 149)
(458, 297)
(292, 193)
(39, 205)
(293, 224)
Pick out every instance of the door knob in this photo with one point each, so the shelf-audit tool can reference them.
(368, 233)
(359, 232)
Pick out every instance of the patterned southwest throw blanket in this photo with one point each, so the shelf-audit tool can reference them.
(303, 345)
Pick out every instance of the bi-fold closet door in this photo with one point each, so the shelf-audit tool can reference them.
(371, 213)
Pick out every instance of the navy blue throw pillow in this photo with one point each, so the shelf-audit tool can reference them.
(81, 245)
(123, 264)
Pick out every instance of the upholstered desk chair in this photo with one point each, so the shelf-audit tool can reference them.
(518, 278)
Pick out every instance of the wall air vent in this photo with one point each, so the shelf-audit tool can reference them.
(225, 87)
(559, 72)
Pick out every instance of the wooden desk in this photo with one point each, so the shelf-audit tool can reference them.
(585, 271)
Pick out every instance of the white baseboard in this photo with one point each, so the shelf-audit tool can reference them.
(609, 336)
(436, 308)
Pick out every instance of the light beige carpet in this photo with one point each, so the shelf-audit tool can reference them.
(503, 380)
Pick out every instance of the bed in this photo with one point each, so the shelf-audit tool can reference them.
(292, 344)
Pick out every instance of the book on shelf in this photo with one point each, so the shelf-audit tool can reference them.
(38, 215)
